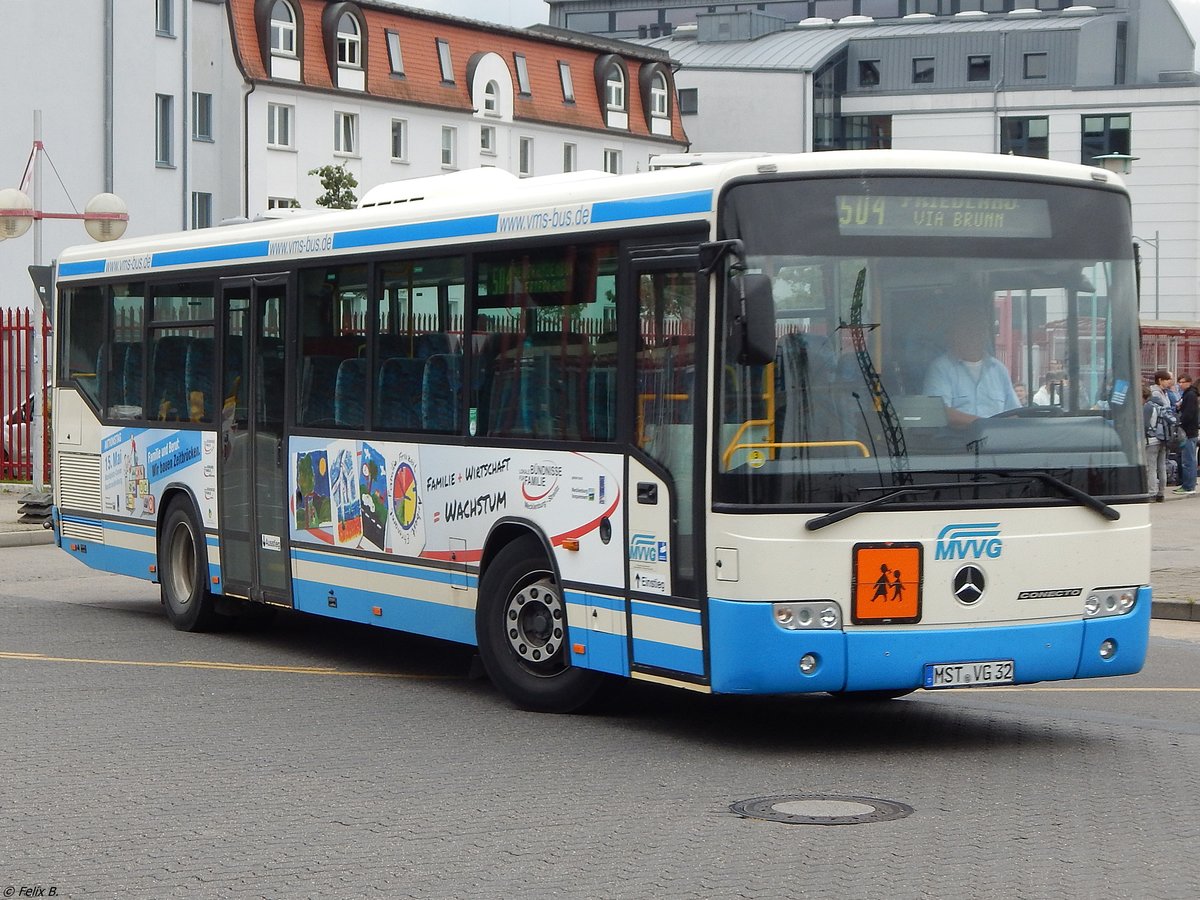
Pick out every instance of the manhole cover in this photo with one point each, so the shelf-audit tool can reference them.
(821, 809)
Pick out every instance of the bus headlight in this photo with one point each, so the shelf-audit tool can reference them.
(821, 615)
(1109, 602)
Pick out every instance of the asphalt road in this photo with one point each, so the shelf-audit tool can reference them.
(319, 759)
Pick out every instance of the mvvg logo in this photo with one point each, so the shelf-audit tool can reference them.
(645, 548)
(973, 541)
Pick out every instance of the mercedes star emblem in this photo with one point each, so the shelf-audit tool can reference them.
(969, 583)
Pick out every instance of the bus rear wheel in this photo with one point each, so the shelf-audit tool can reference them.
(183, 570)
(521, 628)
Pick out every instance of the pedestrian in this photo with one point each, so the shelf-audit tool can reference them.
(1189, 422)
(1156, 449)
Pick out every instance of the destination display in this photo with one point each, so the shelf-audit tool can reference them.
(968, 217)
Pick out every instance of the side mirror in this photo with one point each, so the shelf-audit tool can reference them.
(757, 319)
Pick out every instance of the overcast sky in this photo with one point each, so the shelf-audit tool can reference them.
(519, 13)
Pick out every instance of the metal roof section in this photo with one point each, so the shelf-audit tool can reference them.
(806, 48)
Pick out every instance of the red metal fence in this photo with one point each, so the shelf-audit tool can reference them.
(20, 329)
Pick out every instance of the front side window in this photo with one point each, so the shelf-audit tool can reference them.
(80, 336)
(349, 42)
(545, 344)
(914, 319)
(283, 29)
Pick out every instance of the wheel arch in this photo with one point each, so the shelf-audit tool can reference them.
(170, 495)
(509, 529)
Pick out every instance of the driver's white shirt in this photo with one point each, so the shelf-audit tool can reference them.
(989, 394)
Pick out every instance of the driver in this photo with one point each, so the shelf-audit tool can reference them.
(970, 381)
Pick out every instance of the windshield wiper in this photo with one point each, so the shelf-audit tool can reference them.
(1081, 497)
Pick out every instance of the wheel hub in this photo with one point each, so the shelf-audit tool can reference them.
(534, 622)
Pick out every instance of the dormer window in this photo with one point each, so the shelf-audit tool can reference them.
(283, 29)
(349, 42)
(614, 88)
(654, 86)
(568, 86)
(444, 61)
(491, 99)
(658, 95)
(612, 84)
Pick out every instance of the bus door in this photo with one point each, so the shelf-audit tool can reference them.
(253, 475)
(663, 488)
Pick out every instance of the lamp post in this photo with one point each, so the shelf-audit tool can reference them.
(105, 218)
(1153, 242)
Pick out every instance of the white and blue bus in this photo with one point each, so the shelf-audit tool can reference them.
(710, 426)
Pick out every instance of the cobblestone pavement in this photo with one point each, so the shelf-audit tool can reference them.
(318, 759)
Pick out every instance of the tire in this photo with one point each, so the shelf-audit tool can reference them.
(521, 627)
(183, 570)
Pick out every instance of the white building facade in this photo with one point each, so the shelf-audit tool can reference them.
(196, 112)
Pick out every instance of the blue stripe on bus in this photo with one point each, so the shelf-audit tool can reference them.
(80, 520)
(382, 567)
(91, 267)
(438, 620)
(670, 613)
(470, 226)
(649, 207)
(668, 656)
(118, 560)
(144, 529)
(581, 599)
(219, 253)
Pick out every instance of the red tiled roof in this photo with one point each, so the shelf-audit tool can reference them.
(422, 82)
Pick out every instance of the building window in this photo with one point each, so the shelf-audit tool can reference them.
(282, 203)
(399, 140)
(689, 101)
(395, 58)
(443, 49)
(487, 140)
(868, 73)
(164, 17)
(283, 29)
(1103, 135)
(522, 74)
(449, 146)
(163, 118)
(1025, 136)
(922, 70)
(570, 155)
(525, 157)
(612, 161)
(979, 68)
(349, 42)
(1036, 65)
(345, 133)
(279, 126)
(491, 99)
(614, 88)
(568, 86)
(201, 209)
(202, 117)
(859, 133)
(659, 95)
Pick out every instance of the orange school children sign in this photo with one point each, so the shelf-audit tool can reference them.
(887, 583)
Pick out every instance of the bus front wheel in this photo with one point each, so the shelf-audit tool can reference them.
(521, 627)
(183, 570)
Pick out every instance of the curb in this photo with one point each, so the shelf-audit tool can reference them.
(31, 538)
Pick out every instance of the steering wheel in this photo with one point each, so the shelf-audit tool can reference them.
(1030, 412)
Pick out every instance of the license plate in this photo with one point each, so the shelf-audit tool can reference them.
(967, 674)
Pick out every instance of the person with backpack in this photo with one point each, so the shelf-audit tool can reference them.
(1189, 424)
(1156, 450)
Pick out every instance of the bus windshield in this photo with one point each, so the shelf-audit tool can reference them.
(973, 339)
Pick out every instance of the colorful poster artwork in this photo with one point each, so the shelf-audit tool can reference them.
(406, 532)
(138, 464)
(374, 494)
(343, 486)
(313, 507)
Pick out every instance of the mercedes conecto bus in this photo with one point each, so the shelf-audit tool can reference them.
(712, 426)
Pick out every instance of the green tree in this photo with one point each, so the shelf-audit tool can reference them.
(339, 184)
